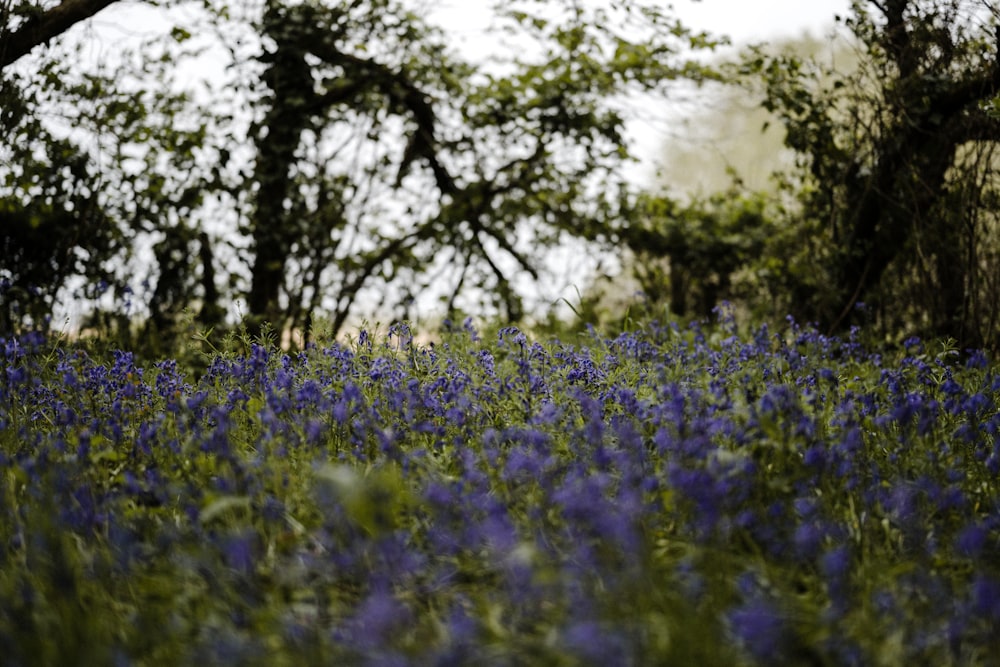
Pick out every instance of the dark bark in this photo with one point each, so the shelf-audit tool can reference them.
(295, 104)
(406, 98)
(909, 181)
(212, 312)
(906, 184)
(897, 37)
(47, 25)
(290, 78)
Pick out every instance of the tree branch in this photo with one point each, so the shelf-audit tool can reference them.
(401, 92)
(897, 37)
(965, 93)
(980, 127)
(46, 25)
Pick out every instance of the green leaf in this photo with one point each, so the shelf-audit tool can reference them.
(179, 34)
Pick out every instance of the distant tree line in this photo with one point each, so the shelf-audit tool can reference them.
(352, 159)
(893, 200)
(357, 157)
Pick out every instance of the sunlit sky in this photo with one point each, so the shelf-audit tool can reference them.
(742, 20)
(761, 19)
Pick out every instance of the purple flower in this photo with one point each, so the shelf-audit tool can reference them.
(986, 597)
(16, 375)
(239, 551)
(913, 345)
(835, 566)
(977, 359)
(197, 400)
(808, 539)
(595, 644)
(836, 563)
(761, 628)
(971, 540)
(378, 618)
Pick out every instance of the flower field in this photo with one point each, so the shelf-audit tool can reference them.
(668, 496)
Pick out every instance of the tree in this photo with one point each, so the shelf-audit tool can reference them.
(48, 233)
(377, 157)
(478, 160)
(720, 230)
(898, 169)
(95, 162)
(51, 222)
(475, 162)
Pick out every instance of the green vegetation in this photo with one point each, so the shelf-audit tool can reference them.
(666, 496)
(887, 195)
(348, 160)
(177, 494)
(346, 156)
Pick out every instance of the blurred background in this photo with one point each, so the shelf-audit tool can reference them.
(176, 170)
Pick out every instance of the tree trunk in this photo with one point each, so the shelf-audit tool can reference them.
(290, 78)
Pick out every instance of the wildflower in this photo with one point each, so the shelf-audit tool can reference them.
(239, 551)
(761, 628)
(594, 644)
(971, 540)
(379, 616)
(986, 597)
(976, 359)
(514, 335)
(913, 345)
(195, 402)
(808, 539)
(835, 566)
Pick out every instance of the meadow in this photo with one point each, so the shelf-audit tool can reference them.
(688, 496)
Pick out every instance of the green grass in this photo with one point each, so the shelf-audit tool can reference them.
(668, 496)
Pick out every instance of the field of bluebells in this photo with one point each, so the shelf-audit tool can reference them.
(667, 496)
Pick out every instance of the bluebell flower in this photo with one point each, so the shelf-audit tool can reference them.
(195, 401)
(595, 644)
(972, 539)
(239, 550)
(761, 628)
(378, 618)
(913, 345)
(985, 597)
(808, 539)
(976, 359)
(835, 566)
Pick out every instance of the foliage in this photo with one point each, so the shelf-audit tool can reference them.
(897, 169)
(52, 227)
(350, 158)
(494, 162)
(666, 496)
(102, 166)
(695, 256)
(892, 196)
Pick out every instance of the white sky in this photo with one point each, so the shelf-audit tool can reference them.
(746, 20)
(742, 21)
